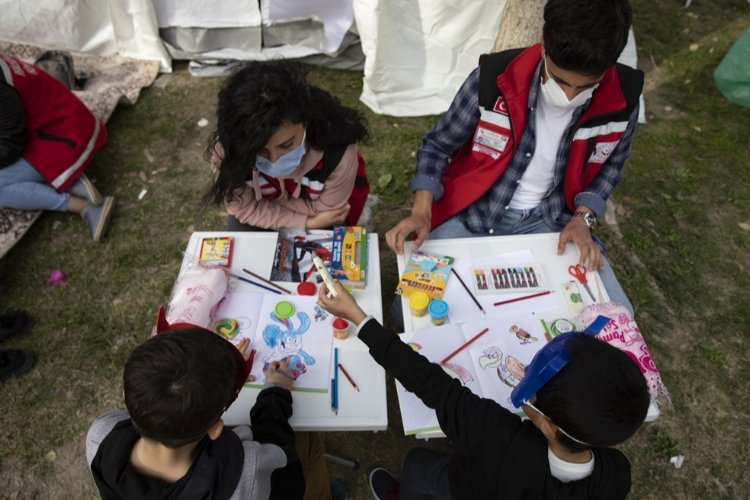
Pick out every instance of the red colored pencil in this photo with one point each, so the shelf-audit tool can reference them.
(546, 292)
(348, 377)
(464, 346)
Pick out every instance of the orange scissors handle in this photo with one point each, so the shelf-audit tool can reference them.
(578, 272)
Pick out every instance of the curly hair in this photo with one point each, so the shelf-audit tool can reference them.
(255, 101)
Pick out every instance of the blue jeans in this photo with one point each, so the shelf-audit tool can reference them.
(424, 475)
(530, 221)
(23, 188)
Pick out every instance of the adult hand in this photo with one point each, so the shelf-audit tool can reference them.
(278, 373)
(578, 232)
(342, 305)
(328, 218)
(244, 348)
(418, 223)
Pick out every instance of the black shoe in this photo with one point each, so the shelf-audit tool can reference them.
(14, 323)
(383, 484)
(14, 362)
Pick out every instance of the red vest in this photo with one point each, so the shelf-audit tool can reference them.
(61, 133)
(505, 78)
(313, 183)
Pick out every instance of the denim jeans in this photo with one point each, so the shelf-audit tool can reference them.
(516, 221)
(424, 475)
(23, 188)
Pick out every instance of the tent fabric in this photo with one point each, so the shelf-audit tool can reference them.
(100, 27)
(418, 52)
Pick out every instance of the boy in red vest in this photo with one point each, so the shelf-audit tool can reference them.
(47, 139)
(535, 140)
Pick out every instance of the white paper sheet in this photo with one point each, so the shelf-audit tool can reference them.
(463, 309)
(306, 338)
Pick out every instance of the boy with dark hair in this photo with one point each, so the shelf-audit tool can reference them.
(535, 139)
(580, 395)
(171, 441)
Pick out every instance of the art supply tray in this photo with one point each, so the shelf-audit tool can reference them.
(500, 279)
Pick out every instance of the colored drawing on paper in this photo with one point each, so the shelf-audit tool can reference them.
(458, 372)
(492, 356)
(522, 335)
(287, 342)
(511, 371)
(320, 313)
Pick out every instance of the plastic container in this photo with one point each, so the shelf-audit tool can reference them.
(340, 328)
(284, 309)
(418, 302)
(438, 311)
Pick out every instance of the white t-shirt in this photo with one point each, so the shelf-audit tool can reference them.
(568, 471)
(551, 122)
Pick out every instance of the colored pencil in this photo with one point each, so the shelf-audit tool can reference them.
(464, 346)
(268, 282)
(272, 290)
(348, 377)
(335, 404)
(468, 291)
(509, 301)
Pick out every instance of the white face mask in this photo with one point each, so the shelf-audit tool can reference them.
(555, 96)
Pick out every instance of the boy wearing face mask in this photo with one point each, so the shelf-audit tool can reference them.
(284, 153)
(535, 140)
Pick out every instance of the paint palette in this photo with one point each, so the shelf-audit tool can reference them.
(500, 279)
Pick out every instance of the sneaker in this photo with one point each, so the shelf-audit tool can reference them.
(383, 484)
(339, 491)
(83, 188)
(14, 323)
(14, 362)
(97, 217)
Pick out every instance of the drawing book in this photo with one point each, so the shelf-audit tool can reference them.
(305, 338)
(349, 255)
(292, 261)
(491, 366)
(216, 251)
(427, 272)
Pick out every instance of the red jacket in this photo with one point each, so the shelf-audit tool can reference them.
(503, 98)
(62, 135)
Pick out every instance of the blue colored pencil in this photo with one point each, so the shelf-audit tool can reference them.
(256, 284)
(335, 404)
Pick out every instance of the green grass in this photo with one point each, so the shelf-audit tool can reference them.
(678, 249)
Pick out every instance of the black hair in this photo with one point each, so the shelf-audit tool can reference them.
(600, 397)
(177, 385)
(255, 101)
(586, 36)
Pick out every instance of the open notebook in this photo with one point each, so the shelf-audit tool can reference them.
(305, 338)
(491, 366)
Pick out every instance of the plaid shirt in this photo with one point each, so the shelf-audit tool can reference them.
(457, 127)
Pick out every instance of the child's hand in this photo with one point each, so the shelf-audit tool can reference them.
(278, 373)
(244, 348)
(343, 305)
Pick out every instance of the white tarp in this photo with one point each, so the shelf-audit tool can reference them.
(418, 52)
(101, 27)
(207, 13)
(337, 17)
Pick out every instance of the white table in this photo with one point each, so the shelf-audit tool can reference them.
(544, 248)
(358, 411)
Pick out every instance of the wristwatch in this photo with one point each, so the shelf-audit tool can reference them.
(588, 217)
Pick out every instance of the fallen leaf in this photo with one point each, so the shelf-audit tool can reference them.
(744, 226)
(142, 176)
(693, 47)
(51, 456)
(384, 180)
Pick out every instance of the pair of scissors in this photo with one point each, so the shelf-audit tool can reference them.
(579, 273)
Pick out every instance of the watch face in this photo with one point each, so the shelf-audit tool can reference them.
(590, 220)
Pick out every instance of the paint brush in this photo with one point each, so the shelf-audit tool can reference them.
(268, 282)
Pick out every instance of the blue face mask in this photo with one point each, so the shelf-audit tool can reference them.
(285, 164)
